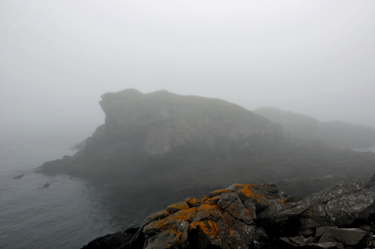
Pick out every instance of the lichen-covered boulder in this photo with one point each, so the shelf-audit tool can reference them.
(224, 218)
(340, 205)
(246, 216)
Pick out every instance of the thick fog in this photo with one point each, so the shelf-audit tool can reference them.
(58, 57)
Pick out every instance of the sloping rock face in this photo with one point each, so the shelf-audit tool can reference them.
(250, 216)
(166, 120)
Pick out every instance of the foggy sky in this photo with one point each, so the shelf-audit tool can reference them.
(58, 57)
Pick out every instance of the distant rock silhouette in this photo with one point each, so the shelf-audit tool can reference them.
(46, 185)
(333, 133)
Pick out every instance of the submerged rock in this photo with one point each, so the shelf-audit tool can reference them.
(260, 216)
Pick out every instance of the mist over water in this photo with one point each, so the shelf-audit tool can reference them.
(67, 214)
(316, 58)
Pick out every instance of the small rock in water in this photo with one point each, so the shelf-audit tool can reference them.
(18, 177)
(46, 185)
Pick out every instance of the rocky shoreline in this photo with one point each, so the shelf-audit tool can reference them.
(258, 216)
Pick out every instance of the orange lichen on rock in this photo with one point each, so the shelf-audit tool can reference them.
(213, 210)
(179, 236)
(185, 215)
(230, 233)
(177, 206)
(193, 202)
(159, 215)
(218, 192)
(238, 186)
(206, 227)
(248, 192)
(228, 219)
(204, 198)
(170, 221)
(213, 200)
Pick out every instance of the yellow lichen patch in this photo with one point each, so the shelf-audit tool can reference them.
(262, 184)
(193, 202)
(218, 192)
(252, 194)
(160, 214)
(248, 192)
(184, 215)
(248, 213)
(242, 185)
(230, 233)
(213, 200)
(177, 206)
(179, 236)
(282, 200)
(207, 227)
(170, 221)
(204, 198)
(211, 209)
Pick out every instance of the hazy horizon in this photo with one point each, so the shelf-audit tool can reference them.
(311, 57)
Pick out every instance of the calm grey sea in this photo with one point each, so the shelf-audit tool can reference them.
(67, 214)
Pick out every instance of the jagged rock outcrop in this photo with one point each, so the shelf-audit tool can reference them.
(261, 216)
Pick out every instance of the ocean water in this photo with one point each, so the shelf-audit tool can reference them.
(66, 214)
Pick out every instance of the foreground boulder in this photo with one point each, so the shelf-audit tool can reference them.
(261, 216)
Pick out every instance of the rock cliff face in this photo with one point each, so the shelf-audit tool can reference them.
(167, 141)
(164, 120)
(260, 216)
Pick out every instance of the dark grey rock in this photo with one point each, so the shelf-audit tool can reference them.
(111, 241)
(347, 236)
(321, 230)
(226, 199)
(325, 245)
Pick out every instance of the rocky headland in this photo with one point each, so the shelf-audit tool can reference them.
(258, 216)
(188, 144)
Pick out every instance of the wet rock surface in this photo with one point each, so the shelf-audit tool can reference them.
(260, 216)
